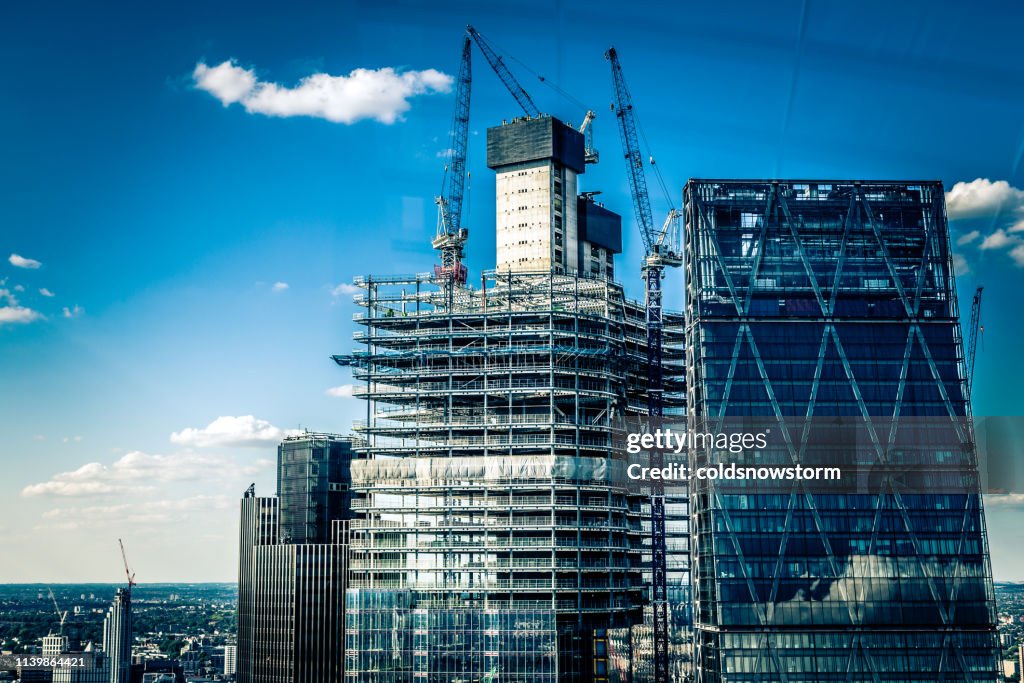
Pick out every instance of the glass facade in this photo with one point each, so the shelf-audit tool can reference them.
(293, 565)
(831, 299)
(312, 485)
(118, 638)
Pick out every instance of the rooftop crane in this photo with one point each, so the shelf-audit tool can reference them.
(661, 250)
(451, 236)
(127, 572)
(496, 62)
(60, 615)
(590, 155)
(976, 330)
(517, 91)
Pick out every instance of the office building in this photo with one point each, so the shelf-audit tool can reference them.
(96, 669)
(312, 486)
(118, 636)
(292, 567)
(834, 300)
(230, 660)
(54, 645)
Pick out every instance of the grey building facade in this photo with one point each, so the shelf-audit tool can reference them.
(834, 300)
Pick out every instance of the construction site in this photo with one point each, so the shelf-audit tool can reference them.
(492, 536)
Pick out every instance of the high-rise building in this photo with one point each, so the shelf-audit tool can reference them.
(230, 660)
(312, 485)
(834, 300)
(499, 541)
(117, 636)
(292, 567)
(53, 645)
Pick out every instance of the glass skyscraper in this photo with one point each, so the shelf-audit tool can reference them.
(292, 566)
(117, 636)
(834, 300)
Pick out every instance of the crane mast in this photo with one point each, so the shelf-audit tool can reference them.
(451, 236)
(975, 330)
(660, 250)
(60, 615)
(590, 154)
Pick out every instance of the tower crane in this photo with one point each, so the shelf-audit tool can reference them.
(661, 250)
(60, 615)
(590, 155)
(506, 77)
(517, 91)
(976, 330)
(127, 572)
(451, 236)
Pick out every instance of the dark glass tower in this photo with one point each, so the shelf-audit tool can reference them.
(832, 300)
(312, 485)
(292, 567)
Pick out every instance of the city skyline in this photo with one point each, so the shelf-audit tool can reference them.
(185, 259)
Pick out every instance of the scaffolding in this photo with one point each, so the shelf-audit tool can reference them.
(490, 478)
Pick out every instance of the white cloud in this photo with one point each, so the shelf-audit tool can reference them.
(243, 430)
(171, 511)
(960, 265)
(1004, 500)
(279, 286)
(1016, 227)
(379, 94)
(445, 153)
(8, 296)
(19, 288)
(22, 262)
(45, 292)
(968, 238)
(137, 471)
(342, 391)
(982, 197)
(17, 314)
(998, 240)
(344, 289)
(1017, 254)
(73, 312)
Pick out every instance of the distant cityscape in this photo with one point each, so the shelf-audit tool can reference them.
(186, 633)
(177, 633)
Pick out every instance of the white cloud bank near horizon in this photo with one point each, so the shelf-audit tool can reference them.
(139, 472)
(379, 94)
(229, 430)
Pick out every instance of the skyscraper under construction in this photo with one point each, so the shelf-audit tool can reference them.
(497, 541)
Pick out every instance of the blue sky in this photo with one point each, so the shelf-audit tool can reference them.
(144, 395)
